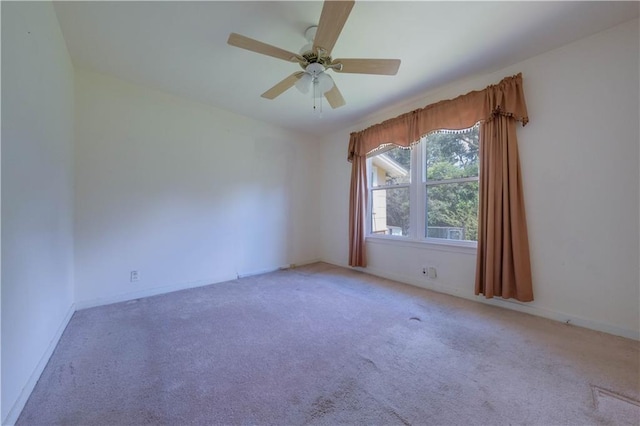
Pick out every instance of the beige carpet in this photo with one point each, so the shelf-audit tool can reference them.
(323, 345)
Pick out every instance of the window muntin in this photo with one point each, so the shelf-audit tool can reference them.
(436, 199)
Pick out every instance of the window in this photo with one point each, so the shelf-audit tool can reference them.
(390, 183)
(436, 199)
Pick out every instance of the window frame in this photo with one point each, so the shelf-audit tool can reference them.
(417, 185)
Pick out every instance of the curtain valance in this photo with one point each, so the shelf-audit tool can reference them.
(505, 98)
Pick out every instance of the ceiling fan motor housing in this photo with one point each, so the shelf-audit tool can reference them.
(312, 57)
(310, 54)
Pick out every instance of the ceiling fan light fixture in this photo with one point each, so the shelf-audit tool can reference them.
(324, 82)
(314, 76)
(314, 68)
(304, 83)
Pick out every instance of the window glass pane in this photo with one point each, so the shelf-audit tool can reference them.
(452, 211)
(390, 211)
(391, 167)
(452, 155)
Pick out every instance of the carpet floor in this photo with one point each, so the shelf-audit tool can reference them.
(324, 345)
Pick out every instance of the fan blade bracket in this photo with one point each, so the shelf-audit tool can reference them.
(336, 66)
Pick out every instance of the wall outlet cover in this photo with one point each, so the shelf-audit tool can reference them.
(432, 272)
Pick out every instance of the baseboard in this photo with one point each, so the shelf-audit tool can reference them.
(259, 272)
(16, 409)
(562, 317)
(125, 297)
(283, 267)
(507, 304)
(303, 263)
(148, 292)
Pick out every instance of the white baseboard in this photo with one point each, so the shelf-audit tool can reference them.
(148, 292)
(16, 409)
(561, 317)
(259, 272)
(303, 263)
(508, 304)
(125, 297)
(283, 267)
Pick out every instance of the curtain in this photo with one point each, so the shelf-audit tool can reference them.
(357, 211)
(503, 251)
(503, 267)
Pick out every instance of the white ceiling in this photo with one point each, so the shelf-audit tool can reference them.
(181, 47)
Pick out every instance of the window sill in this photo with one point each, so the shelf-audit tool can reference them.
(460, 247)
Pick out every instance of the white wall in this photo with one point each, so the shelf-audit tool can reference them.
(184, 193)
(37, 195)
(579, 157)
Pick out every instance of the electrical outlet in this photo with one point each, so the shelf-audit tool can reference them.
(134, 276)
(432, 273)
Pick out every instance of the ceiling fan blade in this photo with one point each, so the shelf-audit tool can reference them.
(332, 19)
(367, 66)
(334, 97)
(247, 43)
(281, 87)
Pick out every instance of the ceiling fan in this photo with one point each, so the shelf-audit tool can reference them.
(315, 58)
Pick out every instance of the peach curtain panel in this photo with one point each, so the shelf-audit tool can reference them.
(357, 211)
(503, 266)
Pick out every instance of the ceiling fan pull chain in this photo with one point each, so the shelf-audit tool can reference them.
(316, 87)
